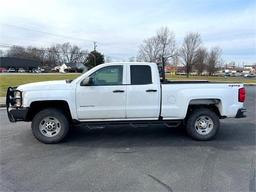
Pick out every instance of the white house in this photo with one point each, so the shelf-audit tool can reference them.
(62, 68)
(70, 67)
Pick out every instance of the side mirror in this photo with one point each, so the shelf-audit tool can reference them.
(87, 81)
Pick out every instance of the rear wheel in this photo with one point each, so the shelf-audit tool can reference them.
(203, 124)
(50, 126)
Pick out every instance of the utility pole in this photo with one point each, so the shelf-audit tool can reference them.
(94, 58)
(163, 70)
(94, 45)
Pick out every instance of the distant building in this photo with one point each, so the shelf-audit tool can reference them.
(170, 69)
(250, 68)
(12, 62)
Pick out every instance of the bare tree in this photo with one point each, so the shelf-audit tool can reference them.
(149, 50)
(52, 56)
(159, 48)
(213, 60)
(156, 48)
(175, 60)
(167, 43)
(200, 60)
(1, 53)
(190, 46)
(71, 53)
(36, 53)
(77, 55)
(17, 51)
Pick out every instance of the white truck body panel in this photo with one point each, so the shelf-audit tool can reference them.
(99, 102)
(176, 98)
(142, 104)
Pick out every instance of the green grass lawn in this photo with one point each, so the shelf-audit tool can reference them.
(15, 80)
(212, 78)
(7, 80)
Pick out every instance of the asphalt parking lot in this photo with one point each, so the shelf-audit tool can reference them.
(131, 159)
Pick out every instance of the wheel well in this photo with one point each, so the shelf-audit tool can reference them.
(213, 108)
(211, 104)
(37, 106)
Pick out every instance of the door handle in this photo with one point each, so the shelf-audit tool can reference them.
(118, 91)
(151, 90)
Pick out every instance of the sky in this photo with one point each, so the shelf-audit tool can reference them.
(120, 26)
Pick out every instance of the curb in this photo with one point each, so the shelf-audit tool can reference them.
(2, 105)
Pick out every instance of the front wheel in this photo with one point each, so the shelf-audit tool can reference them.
(203, 124)
(50, 126)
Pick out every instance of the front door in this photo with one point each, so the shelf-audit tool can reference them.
(105, 97)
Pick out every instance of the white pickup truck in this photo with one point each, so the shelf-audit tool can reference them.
(124, 93)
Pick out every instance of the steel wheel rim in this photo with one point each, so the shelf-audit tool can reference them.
(204, 125)
(50, 126)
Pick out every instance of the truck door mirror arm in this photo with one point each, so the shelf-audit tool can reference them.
(88, 81)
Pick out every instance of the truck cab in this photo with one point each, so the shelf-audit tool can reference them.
(130, 92)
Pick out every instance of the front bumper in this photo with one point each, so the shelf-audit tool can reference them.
(240, 113)
(14, 112)
(17, 114)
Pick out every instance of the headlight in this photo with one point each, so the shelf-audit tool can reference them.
(17, 99)
(17, 94)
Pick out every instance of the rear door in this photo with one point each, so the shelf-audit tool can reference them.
(143, 93)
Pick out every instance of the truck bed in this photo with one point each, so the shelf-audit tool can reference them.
(185, 82)
(195, 82)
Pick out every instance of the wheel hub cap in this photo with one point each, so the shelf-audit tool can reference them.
(204, 125)
(50, 126)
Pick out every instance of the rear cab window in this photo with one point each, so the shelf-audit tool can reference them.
(140, 74)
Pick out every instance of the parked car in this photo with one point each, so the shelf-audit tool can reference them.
(238, 74)
(11, 70)
(21, 70)
(250, 75)
(36, 71)
(42, 70)
(3, 70)
(124, 93)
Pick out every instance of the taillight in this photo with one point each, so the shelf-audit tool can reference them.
(241, 94)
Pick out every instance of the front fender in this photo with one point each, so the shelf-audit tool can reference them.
(59, 95)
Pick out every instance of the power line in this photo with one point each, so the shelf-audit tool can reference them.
(4, 45)
(46, 50)
(52, 34)
(58, 35)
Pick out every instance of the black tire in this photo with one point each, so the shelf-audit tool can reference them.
(61, 122)
(195, 124)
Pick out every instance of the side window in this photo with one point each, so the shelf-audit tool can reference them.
(111, 75)
(140, 74)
